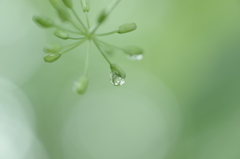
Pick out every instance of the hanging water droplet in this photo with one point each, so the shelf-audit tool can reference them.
(116, 79)
(135, 57)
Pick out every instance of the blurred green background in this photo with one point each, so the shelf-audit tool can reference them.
(180, 102)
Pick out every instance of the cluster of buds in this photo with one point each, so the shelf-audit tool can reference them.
(84, 32)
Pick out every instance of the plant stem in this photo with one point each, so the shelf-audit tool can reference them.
(87, 58)
(99, 48)
(77, 44)
(87, 19)
(109, 33)
(70, 31)
(76, 26)
(110, 45)
(109, 9)
(77, 38)
(74, 12)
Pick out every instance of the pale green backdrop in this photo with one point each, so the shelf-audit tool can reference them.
(180, 102)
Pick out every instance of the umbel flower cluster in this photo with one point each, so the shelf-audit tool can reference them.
(84, 32)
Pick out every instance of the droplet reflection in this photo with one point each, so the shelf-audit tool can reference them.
(115, 79)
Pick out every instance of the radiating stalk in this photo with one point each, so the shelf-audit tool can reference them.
(99, 48)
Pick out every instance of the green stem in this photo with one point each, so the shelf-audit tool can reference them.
(70, 31)
(87, 57)
(87, 19)
(76, 26)
(99, 48)
(77, 38)
(109, 9)
(70, 45)
(110, 45)
(109, 33)
(74, 12)
(112, 6)
(77, 44)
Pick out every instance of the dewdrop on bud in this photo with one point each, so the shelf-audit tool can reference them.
(53, 47)
(125, 28)
(43, 22)
(85, 5)
(134, 53)
(68, 3)
(61, 34)
(117, 75)
(81, 85)
(51, 57)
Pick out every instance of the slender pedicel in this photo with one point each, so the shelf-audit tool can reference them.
(67, 30)
(76, 26)
(79, 38)
(87, 58)
(113, 46)
(80, 21)
(109, 33)
(79, 43)
(104, 14)
(87, 20)
(99, 48)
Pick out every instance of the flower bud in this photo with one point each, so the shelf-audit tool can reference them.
(68, 3)
(118, 70)
(133, 50)
(81, 85)
(85, 5)
(108, 50)
(53, 47)
(103, 15)
(134, 53)
(56, 4)
(61, 34)
(63, 15)
(51, 57)
(43, 22)
(125, 28)
(62, 11)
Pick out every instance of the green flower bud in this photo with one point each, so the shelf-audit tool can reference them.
(125, 28)
(102, 16)
(108, 50)
(85, 5)
(53, 47)
(134, 53)
(43, 22)
(62, 11)
(81, 85)
(116, 68)
(117, 75)
(63, 15)
(68, 3)
(56, 4)
(133, 50)
(61, 34)
(52, 57)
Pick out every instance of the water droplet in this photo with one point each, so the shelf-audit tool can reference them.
(135, 57)
(116, 80)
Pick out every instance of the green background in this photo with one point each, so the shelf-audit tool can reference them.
(180, 102)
